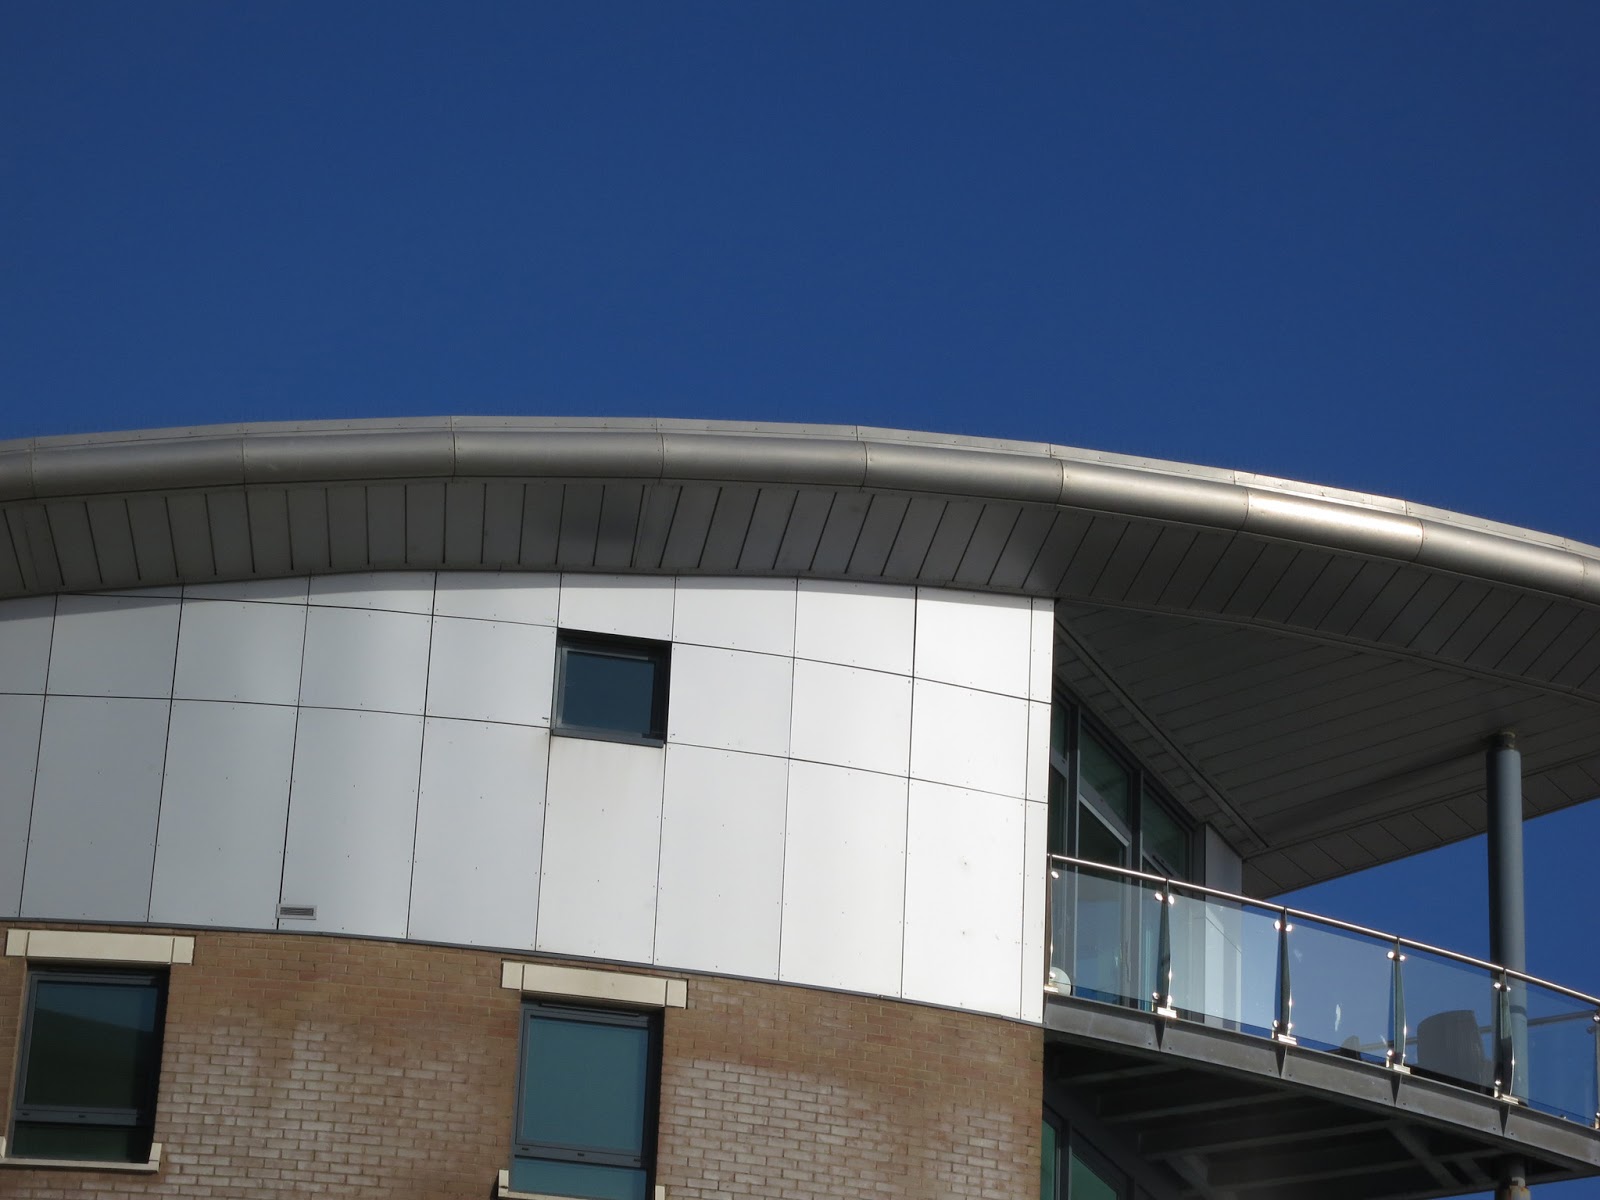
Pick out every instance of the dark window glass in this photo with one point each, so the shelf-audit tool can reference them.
(1097, 842)
(91, 1056)
(1164, 840)
(1056, 813)
(86, 1143)
(612, 688)
(585, 1103)
(1047, 1163)
(1090, 1180)
(1104, 779)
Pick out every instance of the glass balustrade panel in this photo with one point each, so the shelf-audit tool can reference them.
(1097, 951)
(1341, 982)
(1559, 1072)
(1224, 961)
(1225, 971)
(1449, 1018)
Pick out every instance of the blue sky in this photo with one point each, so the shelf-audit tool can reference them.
(1351, 243)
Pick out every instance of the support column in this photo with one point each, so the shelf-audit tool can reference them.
(1508, 932)
(1508, 929)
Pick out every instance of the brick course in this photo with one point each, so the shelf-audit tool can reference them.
(307, 1065)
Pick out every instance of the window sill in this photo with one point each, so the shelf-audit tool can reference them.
(83, 1164)
(504, 1192)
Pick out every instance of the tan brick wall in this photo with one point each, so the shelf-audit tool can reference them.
(783, 1091)
(301, 1065)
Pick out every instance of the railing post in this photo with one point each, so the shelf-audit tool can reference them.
(1597, 1070)
(1163, 993)
(1285, 1020)
(1397, 1010)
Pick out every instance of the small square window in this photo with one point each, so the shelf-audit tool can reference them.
(586, 1103)
(90, 1062)
(611, 688)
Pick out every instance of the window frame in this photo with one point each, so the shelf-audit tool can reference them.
(657, 653)
(141, 1117)
(1065, 764)
(536, 1008)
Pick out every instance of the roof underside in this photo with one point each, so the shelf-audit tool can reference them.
(1315, 672)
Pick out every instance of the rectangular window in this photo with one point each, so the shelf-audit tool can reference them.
(611, 688)
(89, 1065)
(586, 1102)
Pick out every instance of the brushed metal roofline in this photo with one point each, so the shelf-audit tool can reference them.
(852, 457)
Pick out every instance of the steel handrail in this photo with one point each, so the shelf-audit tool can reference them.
(1185, 887)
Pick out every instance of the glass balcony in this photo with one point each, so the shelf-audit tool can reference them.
(1190, 953)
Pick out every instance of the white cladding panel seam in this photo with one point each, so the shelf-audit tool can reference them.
(844, 764)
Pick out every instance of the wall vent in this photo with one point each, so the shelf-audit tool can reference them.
(297, 912)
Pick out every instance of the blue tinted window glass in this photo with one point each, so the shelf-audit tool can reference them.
(92, 1045)
(606, 691)
(548, 1178)
(583, 1085)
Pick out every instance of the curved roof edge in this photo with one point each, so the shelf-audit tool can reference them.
(647, 450)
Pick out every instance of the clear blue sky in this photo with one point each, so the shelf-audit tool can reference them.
(1354, 243)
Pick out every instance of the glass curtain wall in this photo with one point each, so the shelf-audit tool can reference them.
(1104, 808)
(1071, 1169)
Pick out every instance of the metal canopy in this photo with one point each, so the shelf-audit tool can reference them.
(1314, 670)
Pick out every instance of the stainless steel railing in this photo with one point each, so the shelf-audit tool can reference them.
(1190, 952)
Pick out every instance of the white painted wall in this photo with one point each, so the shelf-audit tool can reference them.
(851, 793)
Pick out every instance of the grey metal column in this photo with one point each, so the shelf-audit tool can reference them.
(1508, 930)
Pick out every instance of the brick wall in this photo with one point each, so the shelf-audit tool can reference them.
(780, 1091)
(302, 1065)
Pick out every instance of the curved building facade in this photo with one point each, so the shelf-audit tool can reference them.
(647, 809)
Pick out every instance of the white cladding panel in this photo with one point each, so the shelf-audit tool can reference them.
(266, 591)
(736, 614)
(480, 823)
(397, 591)
(969, 739)
(602, 847)
(630, 605)
(721, 897)
(1038, 784)
(851, 718)
(352, 821)
(229, 650)
(93, 836)
(113, 646)
(491, 671)
(25, 628)
(974, 641)
(1035, 843)
(1041, 653)
(769, 839)
(857, 624)
(358, 658)
(844, 879)
(20, 718)
(730, 700)
(963, 898)
(224, 803)
(522, 597)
